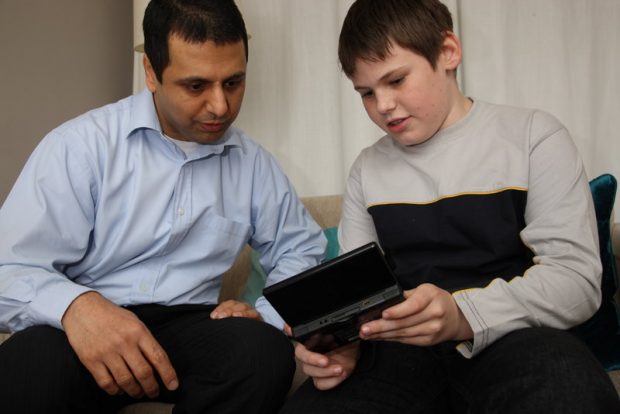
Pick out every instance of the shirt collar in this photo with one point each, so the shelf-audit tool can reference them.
(143, 113)
(144, 116)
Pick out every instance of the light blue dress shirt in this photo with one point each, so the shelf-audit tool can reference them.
(107, 203)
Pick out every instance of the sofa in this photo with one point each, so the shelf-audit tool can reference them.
(326, 211)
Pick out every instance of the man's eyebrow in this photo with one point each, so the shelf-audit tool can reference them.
(238, 75)
(191, 79)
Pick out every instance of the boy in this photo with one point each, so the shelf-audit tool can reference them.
(486, 215)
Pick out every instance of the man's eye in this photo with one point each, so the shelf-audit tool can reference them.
(195, 87)
(231, 84)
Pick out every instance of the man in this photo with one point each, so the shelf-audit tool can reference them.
(117, 233)
(486, 214)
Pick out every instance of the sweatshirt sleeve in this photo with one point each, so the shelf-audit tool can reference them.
(562, 288)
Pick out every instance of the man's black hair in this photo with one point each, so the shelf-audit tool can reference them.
(195, 21)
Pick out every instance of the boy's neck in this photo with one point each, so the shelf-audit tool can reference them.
(459, 109)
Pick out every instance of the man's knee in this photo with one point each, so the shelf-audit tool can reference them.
(39, 361)
(236, 354)
(266, 350)
(236, 347)
(40, 350)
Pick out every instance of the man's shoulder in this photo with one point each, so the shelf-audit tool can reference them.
(108, 120)
(92, 135)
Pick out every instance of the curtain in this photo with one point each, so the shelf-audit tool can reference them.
(561, 56)
(556, 55)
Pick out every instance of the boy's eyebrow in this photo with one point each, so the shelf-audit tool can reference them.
(382, 78)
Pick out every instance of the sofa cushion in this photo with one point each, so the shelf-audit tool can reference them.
(602, 331)
(257, 277)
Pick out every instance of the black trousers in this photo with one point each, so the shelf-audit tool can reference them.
(233, 365)
(534, 370)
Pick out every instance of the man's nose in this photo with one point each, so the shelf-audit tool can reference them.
(217, 102)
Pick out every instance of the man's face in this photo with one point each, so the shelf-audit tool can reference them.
(201, 90)
(405, 97)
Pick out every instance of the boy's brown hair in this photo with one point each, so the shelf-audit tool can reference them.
(371, 26)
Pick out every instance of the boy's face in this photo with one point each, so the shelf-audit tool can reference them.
(405, 97)
(201, 90)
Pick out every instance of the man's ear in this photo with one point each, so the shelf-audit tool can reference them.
(151, 78)
(451, 52)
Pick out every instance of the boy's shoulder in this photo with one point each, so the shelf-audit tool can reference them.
(508, 119)
(517, 113)
(489, 124)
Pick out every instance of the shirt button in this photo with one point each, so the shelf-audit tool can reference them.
(181, 211)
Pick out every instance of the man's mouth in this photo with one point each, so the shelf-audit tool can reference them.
(212, 126)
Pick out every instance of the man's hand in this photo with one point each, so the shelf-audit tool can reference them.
(234, 308)
(429, 315)
(116, 347)
(329, 370)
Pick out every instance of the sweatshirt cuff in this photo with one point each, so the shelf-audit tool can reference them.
(471, 348)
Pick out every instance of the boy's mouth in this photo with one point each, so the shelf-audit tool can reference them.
(397, 125)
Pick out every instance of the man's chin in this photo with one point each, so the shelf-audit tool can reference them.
(206, 138)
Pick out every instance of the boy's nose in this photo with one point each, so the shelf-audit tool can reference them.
(385, 102)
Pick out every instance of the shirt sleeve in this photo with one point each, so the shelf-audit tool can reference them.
(46, 221)
(286, 236)
(562, 288)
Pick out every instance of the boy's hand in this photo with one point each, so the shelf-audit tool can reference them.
(429, 315)
(329, 370)
(234, 308)
(116, 347)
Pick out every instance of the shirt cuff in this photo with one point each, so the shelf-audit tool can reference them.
(268, 313)
(52, 301)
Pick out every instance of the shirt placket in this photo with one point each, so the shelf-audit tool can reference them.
(182, 208)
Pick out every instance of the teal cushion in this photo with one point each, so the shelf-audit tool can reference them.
(257, 277)
(602, 331)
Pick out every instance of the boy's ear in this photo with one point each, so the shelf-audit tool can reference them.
(150, 78)
(451, 52)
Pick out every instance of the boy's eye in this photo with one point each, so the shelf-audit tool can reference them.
(366, 94)
(396, 81)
